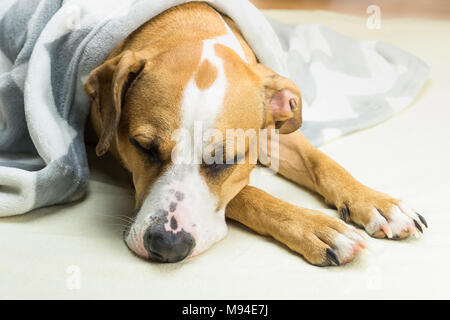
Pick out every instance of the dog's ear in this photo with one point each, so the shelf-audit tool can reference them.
(107, 86)
(282, 101)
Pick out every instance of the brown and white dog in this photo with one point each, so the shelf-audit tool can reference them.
(191, 64)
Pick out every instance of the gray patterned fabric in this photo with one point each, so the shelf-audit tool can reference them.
(49, 47)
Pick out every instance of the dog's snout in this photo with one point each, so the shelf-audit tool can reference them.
(164, 246)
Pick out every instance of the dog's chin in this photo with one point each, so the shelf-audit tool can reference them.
(157, 244)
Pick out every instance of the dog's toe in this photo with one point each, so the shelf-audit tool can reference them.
(345, 246)
(388, 218)
(334, 243)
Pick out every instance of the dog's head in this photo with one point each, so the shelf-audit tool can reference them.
(167, 117)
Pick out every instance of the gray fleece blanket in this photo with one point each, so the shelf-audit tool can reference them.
(49, 47)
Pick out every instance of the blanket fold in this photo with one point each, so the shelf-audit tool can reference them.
(49, 47)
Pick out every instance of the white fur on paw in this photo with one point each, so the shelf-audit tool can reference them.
(345, 246)
(377, 223)
(399, 221)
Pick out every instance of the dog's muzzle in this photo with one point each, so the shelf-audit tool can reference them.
(177, 219)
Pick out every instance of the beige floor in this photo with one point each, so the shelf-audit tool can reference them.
(407, 156)
(429, 9)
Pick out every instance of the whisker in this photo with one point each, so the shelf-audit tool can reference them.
(118, 225)
(125, 220)
(120, 217)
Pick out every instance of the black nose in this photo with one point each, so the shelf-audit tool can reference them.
(166, 246)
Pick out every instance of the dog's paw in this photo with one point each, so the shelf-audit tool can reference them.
(324, 240)
(383, 216)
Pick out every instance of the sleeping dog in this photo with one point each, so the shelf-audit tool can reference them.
(191, 64)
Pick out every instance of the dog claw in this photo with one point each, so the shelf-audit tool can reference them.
(332, 257)
(422, 219)
(344, 214)
(418, 226)
(387, 230)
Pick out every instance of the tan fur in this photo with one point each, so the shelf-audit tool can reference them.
(163, 55)
(302, 163)
(170, 46)
(206, 75)
(305, 231)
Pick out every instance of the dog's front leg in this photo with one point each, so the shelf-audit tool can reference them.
(380, 215)
(321, 239)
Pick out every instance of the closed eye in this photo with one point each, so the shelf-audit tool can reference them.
(152, 152)
(216, 168)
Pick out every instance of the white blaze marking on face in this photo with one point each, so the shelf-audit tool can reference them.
(196, 213)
